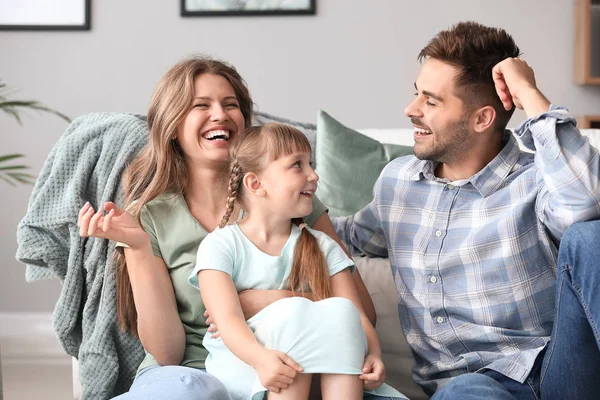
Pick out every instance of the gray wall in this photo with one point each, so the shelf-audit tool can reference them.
(355, 59)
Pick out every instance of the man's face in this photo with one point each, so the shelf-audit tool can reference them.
(441, 124)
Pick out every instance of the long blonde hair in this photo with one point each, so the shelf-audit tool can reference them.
(252, 152)
(160, 167)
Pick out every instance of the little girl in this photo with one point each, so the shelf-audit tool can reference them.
(280, 348)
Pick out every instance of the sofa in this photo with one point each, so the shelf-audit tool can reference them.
(348, 162)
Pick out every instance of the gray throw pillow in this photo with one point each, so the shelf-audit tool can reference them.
(349, 164)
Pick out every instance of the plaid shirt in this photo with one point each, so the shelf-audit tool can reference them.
(474, 260)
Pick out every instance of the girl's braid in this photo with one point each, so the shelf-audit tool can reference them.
(235, 177)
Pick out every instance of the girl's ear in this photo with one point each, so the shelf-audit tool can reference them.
(253, 184)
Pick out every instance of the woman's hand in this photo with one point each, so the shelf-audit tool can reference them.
(373, 372)
(116, 225)
(276, 370)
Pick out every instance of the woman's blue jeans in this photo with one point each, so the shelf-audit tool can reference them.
(183, 383)
(570, 368)
(174, 382)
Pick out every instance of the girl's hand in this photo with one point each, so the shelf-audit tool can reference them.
(213, 330)
(116, 225)
(373, 372)
(276, 370)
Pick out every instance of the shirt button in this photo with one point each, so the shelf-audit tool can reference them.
(450, 187)
(432, 279)
(438, 233)
(439, 320)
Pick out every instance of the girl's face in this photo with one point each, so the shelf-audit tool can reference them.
(290, 183)
(212, 123)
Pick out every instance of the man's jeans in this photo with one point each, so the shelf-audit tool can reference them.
(570, 368)
(492, 385)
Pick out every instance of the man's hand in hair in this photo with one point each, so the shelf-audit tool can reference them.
(515, 85)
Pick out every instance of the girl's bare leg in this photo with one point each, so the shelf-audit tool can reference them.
(298, 390)
(337, 386)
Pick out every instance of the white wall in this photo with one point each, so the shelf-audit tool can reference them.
(355, 59)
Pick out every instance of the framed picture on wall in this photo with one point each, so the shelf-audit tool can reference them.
(54, 15)
(209, 8)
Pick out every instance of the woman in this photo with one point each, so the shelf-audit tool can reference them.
(176, 193)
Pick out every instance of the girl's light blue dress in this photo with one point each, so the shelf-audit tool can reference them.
(322, 337)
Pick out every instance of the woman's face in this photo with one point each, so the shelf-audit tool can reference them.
(212, 123)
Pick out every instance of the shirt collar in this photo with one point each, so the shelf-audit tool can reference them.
(485, 181)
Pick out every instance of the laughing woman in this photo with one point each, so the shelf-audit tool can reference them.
(175, 195)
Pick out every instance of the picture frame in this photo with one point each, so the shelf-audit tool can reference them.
(226, 8)
(36, 15)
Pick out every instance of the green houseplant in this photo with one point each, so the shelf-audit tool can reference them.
(9, 171)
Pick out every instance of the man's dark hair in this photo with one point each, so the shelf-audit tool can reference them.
(474, 49)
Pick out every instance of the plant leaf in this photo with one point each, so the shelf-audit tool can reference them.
(13, 108)
(13, 174)
(20, 177)
(13, 167)
(7, 180)
(10, 157)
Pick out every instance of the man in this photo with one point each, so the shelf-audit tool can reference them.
(471, 225)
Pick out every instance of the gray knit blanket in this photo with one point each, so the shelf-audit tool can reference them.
(85, 164)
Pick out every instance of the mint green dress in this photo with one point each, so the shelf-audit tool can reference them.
(322, 337)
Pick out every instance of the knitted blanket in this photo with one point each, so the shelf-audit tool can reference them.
(85, 164)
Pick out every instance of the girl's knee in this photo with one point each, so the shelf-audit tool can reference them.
(344, 308)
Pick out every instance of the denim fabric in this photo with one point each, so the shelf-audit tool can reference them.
(491, 385)
(175, 382)
(571, 368)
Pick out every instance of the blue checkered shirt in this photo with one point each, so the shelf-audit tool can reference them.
(474, 260)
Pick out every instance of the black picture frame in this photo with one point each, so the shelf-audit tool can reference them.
(310, 10)
(45, 25)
